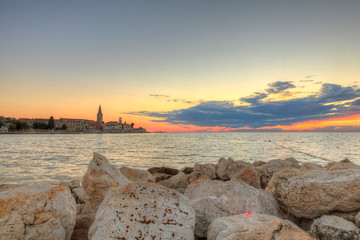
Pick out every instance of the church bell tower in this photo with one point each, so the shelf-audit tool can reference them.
(99, 116)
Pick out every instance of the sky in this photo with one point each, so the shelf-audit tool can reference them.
(184, 65)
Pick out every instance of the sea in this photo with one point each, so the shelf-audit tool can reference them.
(28, 158)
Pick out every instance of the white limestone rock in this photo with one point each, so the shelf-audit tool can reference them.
(333, 227)
(143, 211)
(80, 195)
(37, 211)
(311, 194)
(137, 175)
(212, 199)
(99, 177)
(251, 226)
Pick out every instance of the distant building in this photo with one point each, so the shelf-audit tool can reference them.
(74, 124)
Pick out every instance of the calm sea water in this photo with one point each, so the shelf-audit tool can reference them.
(54, 158)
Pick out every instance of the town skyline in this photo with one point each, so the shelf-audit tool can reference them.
(226, 66)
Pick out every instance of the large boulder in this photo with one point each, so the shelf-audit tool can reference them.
(136, 175)
(311, 194)
(179, 182)
(236, 167)
(143, 211)
(202, 169)
(37, 211)
(212, 199)
(268, 169)
(333, 227)
(251, 226)
(222, 168)
(249, 175)
(99, 177)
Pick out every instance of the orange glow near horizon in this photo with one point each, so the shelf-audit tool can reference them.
(353, 120)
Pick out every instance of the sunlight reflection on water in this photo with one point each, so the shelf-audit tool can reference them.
(29, 158)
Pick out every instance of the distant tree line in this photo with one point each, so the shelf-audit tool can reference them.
(16, 125)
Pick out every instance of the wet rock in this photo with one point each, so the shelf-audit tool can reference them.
(311, 194)
(166, 170)
(202, 169)
(161, 176)
(251, 226)
(143, 211)
(178, 182)
(99, 177)
(222, 168)
(345, 160)
(137, 175)
(212, 199)
(187, 170)
(37, 211)
(332, 227)
(267, 170)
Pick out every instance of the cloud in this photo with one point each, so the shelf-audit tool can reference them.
(171, 100)
(279, 87)
(159, 96)
(307, 80)
(266, 113)
(333, 92)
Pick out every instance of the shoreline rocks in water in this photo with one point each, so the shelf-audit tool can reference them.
(278, 199)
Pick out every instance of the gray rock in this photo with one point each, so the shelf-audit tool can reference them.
(212, 199)
(251, 226)
(311, 194)
(333, 227)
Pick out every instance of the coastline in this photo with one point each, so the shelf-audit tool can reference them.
(72, 132)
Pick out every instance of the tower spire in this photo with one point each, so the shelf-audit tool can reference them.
(99, 116)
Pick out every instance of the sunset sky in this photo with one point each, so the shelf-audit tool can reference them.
(184, 65)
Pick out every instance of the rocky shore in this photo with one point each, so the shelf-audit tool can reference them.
(278, 199)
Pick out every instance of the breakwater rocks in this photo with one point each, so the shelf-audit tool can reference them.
(278, 199)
